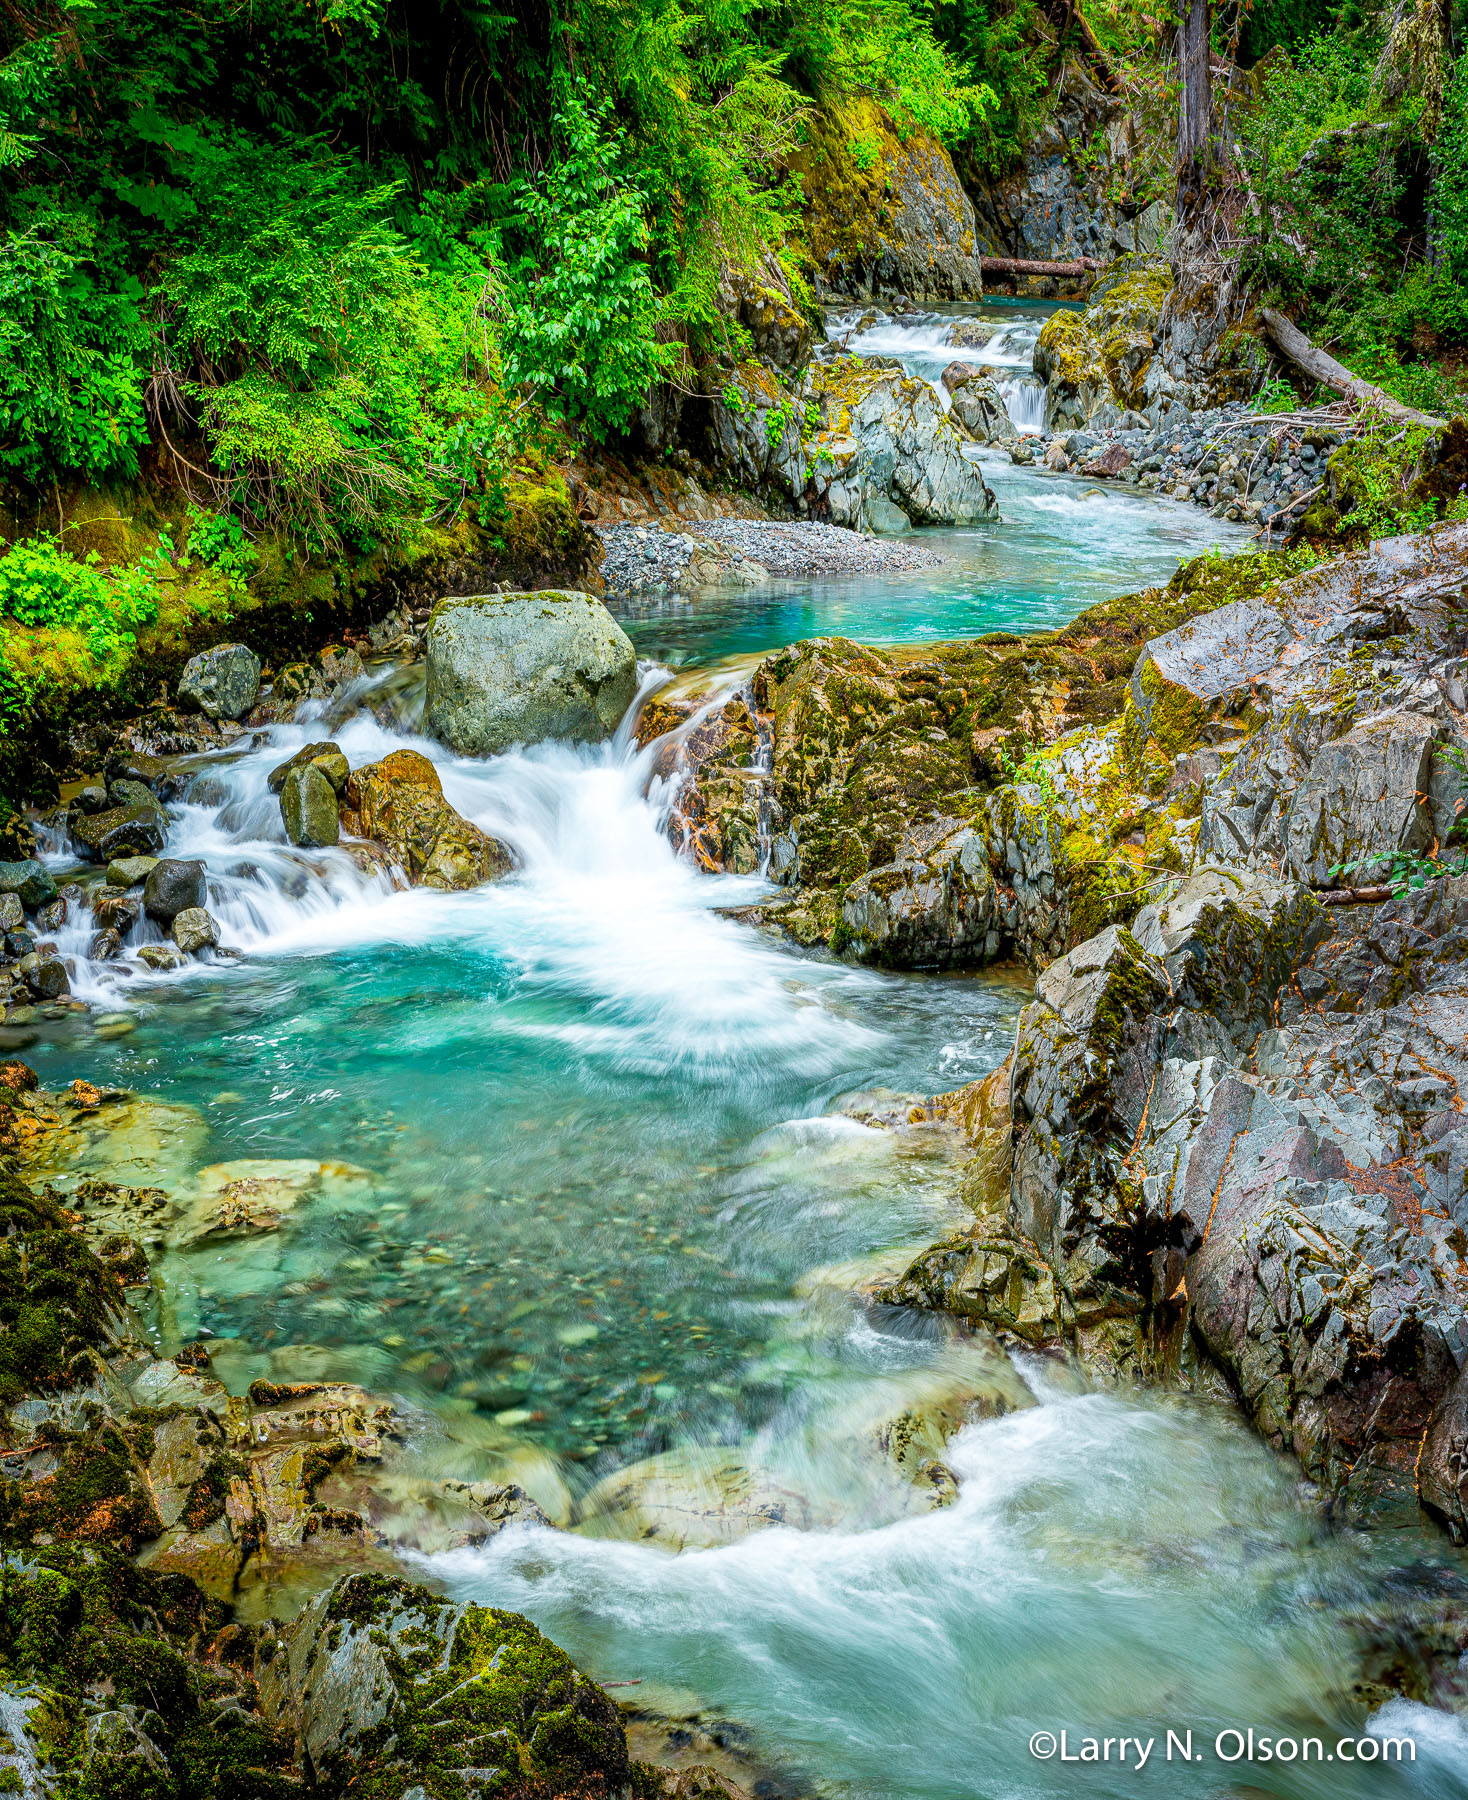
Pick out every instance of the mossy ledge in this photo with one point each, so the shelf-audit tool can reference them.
(292, 603)
(886, 763)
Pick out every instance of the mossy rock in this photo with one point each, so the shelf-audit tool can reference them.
(59, 1302)
(129, 1711)
(392, 1686)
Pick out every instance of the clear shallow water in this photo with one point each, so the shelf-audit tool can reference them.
(593, 1150)
(589, 1108)
(1061, 543)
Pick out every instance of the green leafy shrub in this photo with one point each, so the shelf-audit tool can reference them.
(580, 312)
(40, 585)
(71, 385)
(324, 360)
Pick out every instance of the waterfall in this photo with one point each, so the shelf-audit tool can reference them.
(1001, 340)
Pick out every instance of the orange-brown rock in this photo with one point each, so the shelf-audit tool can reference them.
(399, 803)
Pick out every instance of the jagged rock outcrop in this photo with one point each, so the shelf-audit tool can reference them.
(1069, 195)
(978, 405)
(1240, 1120)
(1143, 349)
(1003, 797)
(853, 441)
(950, 805)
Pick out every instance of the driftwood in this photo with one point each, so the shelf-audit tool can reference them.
(1333, 375)
(1014, 265)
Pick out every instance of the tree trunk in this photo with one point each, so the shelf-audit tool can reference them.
(1334, 375)
(1018, 265)
(1195, 108)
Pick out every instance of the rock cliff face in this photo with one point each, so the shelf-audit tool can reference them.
(1061, 202)
(1142, 347)
(886, 216)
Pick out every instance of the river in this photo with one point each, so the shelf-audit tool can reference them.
(606, 1158)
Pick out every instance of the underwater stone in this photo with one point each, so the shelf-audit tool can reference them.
(517, 668)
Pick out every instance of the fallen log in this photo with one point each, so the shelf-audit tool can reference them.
(1334, 375)
(1357, 896)
(1014, 265)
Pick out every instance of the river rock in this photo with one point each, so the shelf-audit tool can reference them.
(44, 974)
(376, 1676)
(161, 958)
(309, 807)
(130, 871)
(222, 683)
(325, 756)
(399, 803)
(12, 913)
(516, 668)
(155, 773)
(979, 407)
(340, 666)
(691, 1498)
(194, 929)
(30, 882)
(172, 886)
(136, 830)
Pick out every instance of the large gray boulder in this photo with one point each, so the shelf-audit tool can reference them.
(222, 683)
(515, 668)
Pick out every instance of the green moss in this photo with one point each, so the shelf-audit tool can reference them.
(505, 1697)
(293, 602)
(97, 1634)
(57, 1298)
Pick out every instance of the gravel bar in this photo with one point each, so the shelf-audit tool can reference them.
(644, 560)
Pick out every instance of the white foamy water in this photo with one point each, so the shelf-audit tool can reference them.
(1110, 1567)
(600, 908)
(1002, 339)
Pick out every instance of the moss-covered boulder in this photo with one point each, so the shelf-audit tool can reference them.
(104, 1693)
(59, 1302)
(388, 1685)
(1098, 364)
(949, 805)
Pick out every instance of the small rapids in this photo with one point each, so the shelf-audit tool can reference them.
(999, 337)
(593, 1178)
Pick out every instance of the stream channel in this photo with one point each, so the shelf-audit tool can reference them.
(604, 1172)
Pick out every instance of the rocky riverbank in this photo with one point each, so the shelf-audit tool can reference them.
(1225, 1138)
